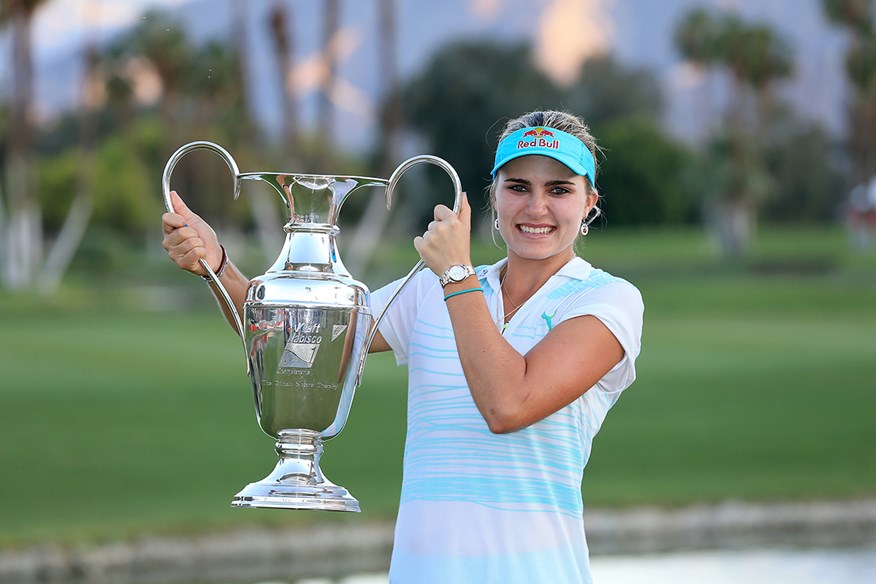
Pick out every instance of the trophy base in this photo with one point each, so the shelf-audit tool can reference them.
(271, 495)
(297, 481)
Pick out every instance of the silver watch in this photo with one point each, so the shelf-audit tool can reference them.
(456, 273)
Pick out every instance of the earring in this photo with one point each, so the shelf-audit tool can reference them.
(496, 224)
(585, 224)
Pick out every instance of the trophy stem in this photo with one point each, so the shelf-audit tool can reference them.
(297, 481)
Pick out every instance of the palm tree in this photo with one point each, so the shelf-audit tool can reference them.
(240, 81)
(325, 113)
(77, 219)
(376, 216)
(391, 114)
(22, 231)
(697, 37)
(280, 25)
(163, 43)
(857, 17)
(755, 58)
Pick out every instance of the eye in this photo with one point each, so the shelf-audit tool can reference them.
(517, 188)
(557, 190)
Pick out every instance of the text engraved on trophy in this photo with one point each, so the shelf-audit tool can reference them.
(301, 348)
(299, 384)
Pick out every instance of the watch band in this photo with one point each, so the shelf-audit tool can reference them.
(456, 273)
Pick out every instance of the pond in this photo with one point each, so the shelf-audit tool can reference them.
(766, 566)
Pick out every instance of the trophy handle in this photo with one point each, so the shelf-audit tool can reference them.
(393, 184)
(165, 190)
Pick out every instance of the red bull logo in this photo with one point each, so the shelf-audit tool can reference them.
(539, 139)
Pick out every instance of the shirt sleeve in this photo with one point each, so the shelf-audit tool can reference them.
(619, 306)
(398, 322)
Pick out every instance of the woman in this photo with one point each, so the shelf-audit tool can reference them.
(512, 367)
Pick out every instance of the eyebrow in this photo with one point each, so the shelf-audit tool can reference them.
(549, 183)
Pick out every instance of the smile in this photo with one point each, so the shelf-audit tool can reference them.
(535, 230)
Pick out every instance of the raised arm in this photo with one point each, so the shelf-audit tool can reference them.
(512, 390)
(187, 239)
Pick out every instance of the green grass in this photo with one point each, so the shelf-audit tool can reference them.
(756, 382)
(117, 423)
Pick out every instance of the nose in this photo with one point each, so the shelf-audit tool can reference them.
(537, 204)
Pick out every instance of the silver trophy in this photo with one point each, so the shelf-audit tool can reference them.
(306, 329)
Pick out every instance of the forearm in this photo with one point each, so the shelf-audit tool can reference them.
(494, 370)
(236, 284)
(512, 390)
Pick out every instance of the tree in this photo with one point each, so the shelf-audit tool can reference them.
(606, 91)
(325, 112)
(21, 233)
(731, 174)
(857, 17)
(800, 156)
(280, 26)
(490, 84)
(623, 106)
(24, 264)
(698, 37)
(374, 219)
(161, 40)
(640, 181)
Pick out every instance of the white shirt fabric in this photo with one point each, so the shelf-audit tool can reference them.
(478, 507)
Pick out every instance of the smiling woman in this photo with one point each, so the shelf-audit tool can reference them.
(512, 368)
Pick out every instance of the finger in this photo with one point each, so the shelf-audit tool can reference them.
(180, 207)
(464, 210)
(190, 260)
(177, 236)
(171, 221)
(188, 245)
(443, 213)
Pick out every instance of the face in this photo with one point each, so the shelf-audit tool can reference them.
(540, 203)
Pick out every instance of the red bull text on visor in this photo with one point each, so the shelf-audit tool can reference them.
(553, 143)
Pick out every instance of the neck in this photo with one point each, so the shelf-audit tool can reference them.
(523, 277)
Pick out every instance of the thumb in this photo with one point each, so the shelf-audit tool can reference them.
(180, 208)
(464, 210)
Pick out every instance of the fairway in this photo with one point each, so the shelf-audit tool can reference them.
(753, 384)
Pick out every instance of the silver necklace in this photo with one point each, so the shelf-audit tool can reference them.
(511, 312)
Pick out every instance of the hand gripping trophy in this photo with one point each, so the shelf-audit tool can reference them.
(306, 329)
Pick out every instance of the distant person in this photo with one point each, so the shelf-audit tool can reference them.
(512, 367)
(861, 216)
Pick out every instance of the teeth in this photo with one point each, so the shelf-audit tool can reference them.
(526, 229)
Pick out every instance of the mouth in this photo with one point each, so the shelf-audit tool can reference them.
(535, 230)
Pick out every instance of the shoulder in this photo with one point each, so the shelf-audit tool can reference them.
(595, 292)
(581, 281)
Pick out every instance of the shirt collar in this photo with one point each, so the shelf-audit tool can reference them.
(576, 268)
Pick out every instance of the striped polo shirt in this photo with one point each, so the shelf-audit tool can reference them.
(478, 507)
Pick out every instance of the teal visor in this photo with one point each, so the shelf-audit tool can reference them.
(557, 144)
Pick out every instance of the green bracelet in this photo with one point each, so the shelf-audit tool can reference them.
(466, 291)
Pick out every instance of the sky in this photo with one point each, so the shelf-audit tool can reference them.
(588, 27)
(61, 22)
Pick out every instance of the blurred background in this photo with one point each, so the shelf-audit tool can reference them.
(738, 176)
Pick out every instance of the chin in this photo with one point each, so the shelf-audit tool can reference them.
(528, 252)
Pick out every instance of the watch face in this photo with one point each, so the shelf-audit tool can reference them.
(456, 273)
